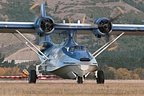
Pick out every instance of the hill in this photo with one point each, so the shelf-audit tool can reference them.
(130, 48)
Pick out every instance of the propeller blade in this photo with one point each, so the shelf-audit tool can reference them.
(36, 40)
(35, 9)
(69, 19)
(83, 20)
(112, 48)
(117, 12)
(114, 45)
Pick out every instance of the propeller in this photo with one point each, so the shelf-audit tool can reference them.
(114, 15)
(35, 9)
(116, 12)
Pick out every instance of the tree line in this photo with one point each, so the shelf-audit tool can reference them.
(123, 73)
(11, 68)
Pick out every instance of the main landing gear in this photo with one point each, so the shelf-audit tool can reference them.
(33, 73)
(99, 77)
(32, 76)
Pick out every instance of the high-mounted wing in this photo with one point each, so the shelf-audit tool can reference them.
(45, 25)
(128, 29)
(10, 27)
(25, 27)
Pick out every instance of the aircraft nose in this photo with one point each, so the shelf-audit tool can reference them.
(84, 67)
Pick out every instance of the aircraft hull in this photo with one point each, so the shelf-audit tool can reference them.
(71, 71)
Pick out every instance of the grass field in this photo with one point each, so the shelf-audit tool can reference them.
(70, 88)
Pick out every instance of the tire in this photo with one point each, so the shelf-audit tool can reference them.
(80, 80)
(32, 76)
(100, 77)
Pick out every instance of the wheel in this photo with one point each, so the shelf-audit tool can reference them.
(100, 77)
(32, 76)
(79, 80)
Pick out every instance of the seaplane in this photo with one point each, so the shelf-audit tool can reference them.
(69, 60)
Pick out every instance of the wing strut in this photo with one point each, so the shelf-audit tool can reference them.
(27, 44)
(36, 49)
(104, 47)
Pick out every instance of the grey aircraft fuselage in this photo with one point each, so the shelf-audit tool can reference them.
(68, 59)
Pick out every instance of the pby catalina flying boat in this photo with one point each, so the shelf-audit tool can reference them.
(68, 59)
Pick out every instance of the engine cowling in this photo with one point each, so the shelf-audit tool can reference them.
(44, 25)
(104, 27)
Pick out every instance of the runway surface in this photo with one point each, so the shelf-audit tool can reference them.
(72, 81)
(71, 88)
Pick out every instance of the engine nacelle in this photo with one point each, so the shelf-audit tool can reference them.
(44, 25)
(104, 27)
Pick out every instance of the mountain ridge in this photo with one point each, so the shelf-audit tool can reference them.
(77, 9)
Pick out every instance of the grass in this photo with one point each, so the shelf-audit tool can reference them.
(70, 88)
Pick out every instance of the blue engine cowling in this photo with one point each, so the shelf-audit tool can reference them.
(104, 27)
(44, 25)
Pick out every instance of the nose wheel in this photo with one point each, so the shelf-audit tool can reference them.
(80, 80)
(99, 77)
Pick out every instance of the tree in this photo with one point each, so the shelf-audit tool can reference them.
(140, 72)
(110, 73)
(123, 73)
(1, 59)
(2, 71)
(135, 76)
(12, 71)
(8, 64)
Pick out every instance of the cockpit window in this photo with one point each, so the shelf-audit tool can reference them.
(77, 52)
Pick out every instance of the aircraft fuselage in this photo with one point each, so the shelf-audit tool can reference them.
(67, 62)
(69, 59)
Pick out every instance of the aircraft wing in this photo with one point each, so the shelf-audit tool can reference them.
(45, 25)
(29, 27)
(129, 29)
(10, 27)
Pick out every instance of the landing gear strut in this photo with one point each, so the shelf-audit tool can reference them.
(100, 77)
